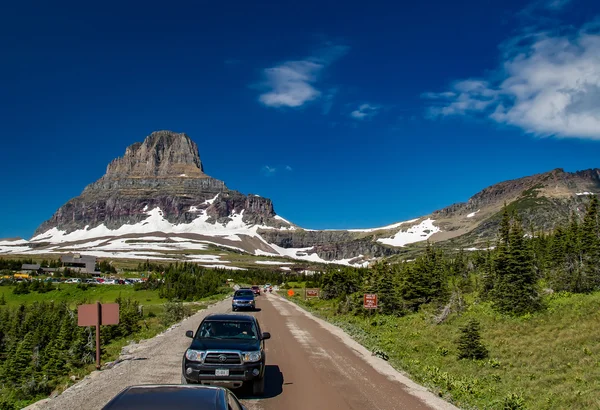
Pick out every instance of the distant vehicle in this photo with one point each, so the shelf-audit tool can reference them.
(22, 276)
(226, 350)
(110, 282)
(256, 290)
(163, 397)
(73, 280)
(243, 299)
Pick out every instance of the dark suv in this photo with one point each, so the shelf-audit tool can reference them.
(243, 299)
(256, 290)
(227, 350)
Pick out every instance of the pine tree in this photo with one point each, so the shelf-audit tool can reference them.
(515, 283)
(590, 247)
(469, 343)
(387, 291)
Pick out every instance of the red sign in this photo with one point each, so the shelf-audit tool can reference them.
(312, 293)
(370, 301)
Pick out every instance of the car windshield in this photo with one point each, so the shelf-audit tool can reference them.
(216, 329)
(243, 293)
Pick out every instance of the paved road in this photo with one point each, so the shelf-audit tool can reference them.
(310, 365)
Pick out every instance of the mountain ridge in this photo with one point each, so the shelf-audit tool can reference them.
(159, 188)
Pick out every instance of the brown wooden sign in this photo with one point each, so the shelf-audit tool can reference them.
(96, 315)
(370, 301)
(87, 315)
(312, 293)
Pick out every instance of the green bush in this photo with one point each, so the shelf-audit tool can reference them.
(174, 311)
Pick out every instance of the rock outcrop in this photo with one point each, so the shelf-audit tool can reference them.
(164, 171)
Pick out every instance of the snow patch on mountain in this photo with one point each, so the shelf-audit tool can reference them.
(155, 222)
(472, 214)
(393, 226)
(584, 193)
(273, 263)
(416, 233)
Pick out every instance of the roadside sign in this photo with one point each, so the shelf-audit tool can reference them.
(370, 301)
(98, 314)
(312, 293)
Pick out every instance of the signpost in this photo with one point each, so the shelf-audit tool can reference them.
(370, 301)
(312, 293)
(98, 314)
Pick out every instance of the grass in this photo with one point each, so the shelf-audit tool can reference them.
(70, 293)
(550, 360)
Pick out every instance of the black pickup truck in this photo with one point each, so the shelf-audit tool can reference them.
(227, 350)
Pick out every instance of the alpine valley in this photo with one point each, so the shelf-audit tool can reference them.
(157, 203)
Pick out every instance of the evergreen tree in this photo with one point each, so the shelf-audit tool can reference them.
(515, 286)
(387, 290)
(425, 280)
(590, 247)
(469, 343)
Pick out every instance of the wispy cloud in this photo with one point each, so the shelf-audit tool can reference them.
(555, 4)
(548, 84)
(294, 83)
(288, 168)
(365, 111)
(268, 171)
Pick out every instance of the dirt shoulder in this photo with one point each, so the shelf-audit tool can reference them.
(156, 360)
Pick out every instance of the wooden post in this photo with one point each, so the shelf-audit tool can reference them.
(99, 319)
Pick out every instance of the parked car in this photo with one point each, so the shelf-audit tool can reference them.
(243, 299)
(110, 282)
(227, 350)
(163, 397)
(73, 280)
(256, 290)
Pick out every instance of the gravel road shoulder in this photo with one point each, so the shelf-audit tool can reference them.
(155, 360)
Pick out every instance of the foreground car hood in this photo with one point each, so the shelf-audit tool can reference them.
(226, 344)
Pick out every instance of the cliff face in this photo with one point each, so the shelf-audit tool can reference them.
(164, 171)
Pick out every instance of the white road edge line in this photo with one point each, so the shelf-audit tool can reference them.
(379, 364)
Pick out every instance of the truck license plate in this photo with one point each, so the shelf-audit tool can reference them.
(222, 372)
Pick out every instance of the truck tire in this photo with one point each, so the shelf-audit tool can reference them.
(258, 386)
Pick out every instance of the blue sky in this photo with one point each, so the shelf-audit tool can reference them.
(345, 115)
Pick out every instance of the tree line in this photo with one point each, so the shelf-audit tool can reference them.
(512, 273)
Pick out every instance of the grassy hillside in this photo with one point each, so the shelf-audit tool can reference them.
(547, 361)
(74, 295)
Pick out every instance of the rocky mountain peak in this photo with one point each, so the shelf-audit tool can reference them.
(162, 154)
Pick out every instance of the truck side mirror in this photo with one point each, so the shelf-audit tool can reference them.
(266, 335)
(190, 334)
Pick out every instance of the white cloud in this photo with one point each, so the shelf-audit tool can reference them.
(288, 168)
(364, 111)
(293, 83)
(548, 84)
(268, 171)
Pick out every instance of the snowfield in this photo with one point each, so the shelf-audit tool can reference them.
(472, 214)
(140, 240)
(415, 233)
